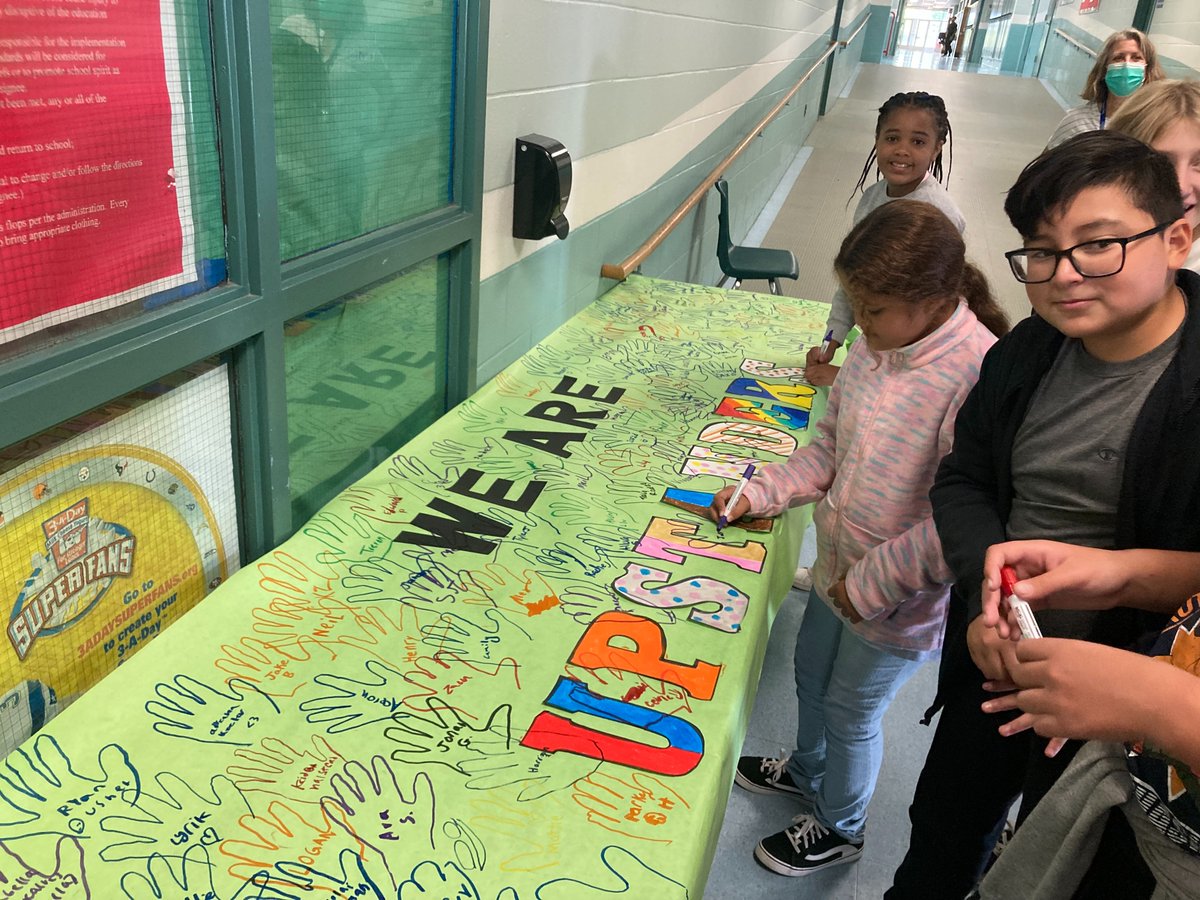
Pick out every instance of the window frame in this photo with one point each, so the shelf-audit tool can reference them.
(243, 318)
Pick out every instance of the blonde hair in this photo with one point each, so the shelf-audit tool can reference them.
(1155, 108)
(1094, 89)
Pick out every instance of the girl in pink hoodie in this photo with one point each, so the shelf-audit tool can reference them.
(880, 585)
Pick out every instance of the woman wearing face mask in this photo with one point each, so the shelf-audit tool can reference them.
(1126, 62)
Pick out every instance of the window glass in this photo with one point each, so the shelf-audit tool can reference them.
(364, 374)
(110, 189)
(112, 525)
(364, 99)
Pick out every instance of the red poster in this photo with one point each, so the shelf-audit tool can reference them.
(90, 187)
(1089, 6)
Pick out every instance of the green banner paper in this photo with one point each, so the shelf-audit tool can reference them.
(499, 666)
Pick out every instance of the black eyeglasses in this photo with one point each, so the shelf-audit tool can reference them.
(1091, 259)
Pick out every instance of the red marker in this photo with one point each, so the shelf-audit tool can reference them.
(1026, 622)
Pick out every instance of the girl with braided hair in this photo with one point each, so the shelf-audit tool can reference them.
(910, 133)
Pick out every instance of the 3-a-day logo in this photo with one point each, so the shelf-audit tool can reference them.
(84, 555)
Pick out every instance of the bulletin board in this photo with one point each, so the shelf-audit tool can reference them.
(105, 111)
(119, 524)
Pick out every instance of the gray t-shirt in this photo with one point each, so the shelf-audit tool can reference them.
(1069, 455)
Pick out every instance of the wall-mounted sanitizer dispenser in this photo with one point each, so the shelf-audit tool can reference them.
(541, 188)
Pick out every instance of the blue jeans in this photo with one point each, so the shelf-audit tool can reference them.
(844, 686)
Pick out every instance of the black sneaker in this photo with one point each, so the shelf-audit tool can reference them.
(805, 847)
(767, 775)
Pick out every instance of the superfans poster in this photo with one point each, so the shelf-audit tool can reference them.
(124, 522)
(94, 187)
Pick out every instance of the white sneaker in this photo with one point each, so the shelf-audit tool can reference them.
(802, 580)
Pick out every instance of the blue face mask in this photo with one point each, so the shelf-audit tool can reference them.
(1124, 78)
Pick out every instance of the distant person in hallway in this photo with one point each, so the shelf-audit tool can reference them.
(878, 601)
(1166, 115)
(1125, 62)
(951, 34)
(910, 133)
(1082, 429)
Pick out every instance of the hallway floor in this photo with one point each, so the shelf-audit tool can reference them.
(999, 124)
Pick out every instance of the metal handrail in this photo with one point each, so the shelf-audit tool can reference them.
(846, 42)
(621, 271)
(1070, 40)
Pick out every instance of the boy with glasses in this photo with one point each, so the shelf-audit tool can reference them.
(1082, 428)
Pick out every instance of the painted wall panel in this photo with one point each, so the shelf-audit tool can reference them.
(876, 33)
(1175, 29)
(647, 96)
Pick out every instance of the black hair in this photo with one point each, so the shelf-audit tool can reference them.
(1094, 159)
(914, 100)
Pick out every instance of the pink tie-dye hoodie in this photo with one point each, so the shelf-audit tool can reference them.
(890, 420)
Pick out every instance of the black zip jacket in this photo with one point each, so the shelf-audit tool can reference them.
(1159, 504)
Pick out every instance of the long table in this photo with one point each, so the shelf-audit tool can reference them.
(514, 661)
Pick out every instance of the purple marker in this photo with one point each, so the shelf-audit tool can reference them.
(722, 521)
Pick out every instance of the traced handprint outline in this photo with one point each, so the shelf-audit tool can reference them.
(415, 469)
(192, 710)
(442, 673)
(583, 601)
(469, 850)
(356, 702)
(161, 823)
(412, 577)
(597, 548)
(383, 503)
(283, 831)
(38, 783)
(444, 737)
(263, 664)
(326, 623)
(160, 882)
(288, 578)
(276, 767)
(620, 805)
(632, 877)
(500, 458)
(575, 508)
(372, 807)
(527, 592)
(69, 871)
(338, 535)
(349, 881)
(447, 880)
(470, 639)
(486, 754)
(530, 837)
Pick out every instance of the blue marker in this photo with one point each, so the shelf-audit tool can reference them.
(722, 521)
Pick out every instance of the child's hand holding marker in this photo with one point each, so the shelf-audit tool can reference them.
(817, 370)
(728, 504)
(1022, 625)
(1019, 611)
